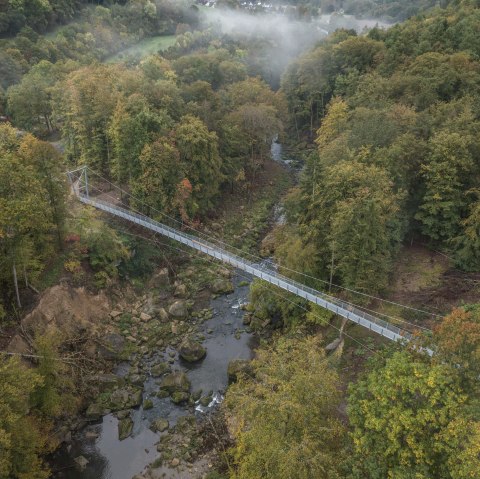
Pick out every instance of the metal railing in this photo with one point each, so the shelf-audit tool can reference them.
(268, 274)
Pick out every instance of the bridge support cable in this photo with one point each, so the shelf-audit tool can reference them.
(334, 305)
(255, 259)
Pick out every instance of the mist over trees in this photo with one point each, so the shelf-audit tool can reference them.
(402, 107)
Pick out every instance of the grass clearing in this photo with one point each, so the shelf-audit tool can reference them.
(143, 48)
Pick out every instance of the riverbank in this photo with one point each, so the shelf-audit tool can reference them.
(149, 414)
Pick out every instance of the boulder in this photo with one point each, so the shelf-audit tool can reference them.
(136, 379)
(162, 314)
(115, 314)
(125, 398)
(94, 412)
(205, 400)
(179, 397)
(106, 382)
(111, 346)
(174, 382)
(333, 345)
(161, 279)
(196, 395)
(180, 291)
(178, 309)
(81, 461)
(236, 367)
(226, 273)
(145, 317)
(123, 414)
(159, 369)
(222, 286)
(159, 425)
(125, 427)
(192, 351)
(147, 404)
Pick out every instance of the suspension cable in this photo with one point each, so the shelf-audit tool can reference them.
(256, 257)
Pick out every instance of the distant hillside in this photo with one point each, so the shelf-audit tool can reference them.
(392, 10)
(36, 14)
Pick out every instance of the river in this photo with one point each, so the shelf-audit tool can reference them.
(110, 458)
(225, 339)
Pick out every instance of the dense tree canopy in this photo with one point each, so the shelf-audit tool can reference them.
(403, 107)
(277, 434)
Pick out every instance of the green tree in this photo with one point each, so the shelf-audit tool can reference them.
(54, 396)
(257, 126)
(24, 212)
(409, 420)
(199, 157)
(50, 170)
(21, 438)
(445, 173)
(456, 341)
(354, 222)
(132, 126)
(30, 102)
(276, 434)
(467, 244)
(86, 102)
(161, 172)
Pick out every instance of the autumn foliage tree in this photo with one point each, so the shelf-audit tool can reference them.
(277, 434)
(410, 418)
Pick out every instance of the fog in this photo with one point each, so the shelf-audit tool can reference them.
(286, 37)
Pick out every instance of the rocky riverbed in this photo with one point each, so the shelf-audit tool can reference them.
(177, 349)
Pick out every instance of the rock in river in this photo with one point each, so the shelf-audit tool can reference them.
(176, 381)
(81, 462)
(159, 425)
(125, 427)
(125, 398)
(94, 412)
(159, 369)
(222, 286)
(192, 351)
(179, 397)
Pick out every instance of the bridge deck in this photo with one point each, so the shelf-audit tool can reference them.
(337, 306)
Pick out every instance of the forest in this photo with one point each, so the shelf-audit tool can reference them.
(384, 126)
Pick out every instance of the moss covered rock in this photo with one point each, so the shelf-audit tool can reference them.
(175, 382)
(159, 425)
(159, 369)
(237, 367)
(179, 397)
(192, 351)
(125, 427)
(222, 286)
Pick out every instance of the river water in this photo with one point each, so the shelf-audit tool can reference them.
(225, 339)
(110, 458)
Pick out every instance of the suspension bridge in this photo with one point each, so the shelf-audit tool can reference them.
(84, 192)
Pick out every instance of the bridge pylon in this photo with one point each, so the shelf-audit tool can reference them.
(79, 181)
